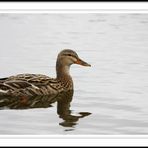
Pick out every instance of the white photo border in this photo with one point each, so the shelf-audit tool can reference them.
(73, 7)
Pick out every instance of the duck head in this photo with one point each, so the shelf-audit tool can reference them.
(69, 57)
(65, 59)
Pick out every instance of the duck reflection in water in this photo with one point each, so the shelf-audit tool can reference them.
(63, 100)
(64, 112)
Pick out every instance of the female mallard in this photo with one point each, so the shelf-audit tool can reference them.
(38, 84)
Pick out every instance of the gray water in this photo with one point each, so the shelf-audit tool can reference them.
(114, 90)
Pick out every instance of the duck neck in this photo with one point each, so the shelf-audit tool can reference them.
(63, 73)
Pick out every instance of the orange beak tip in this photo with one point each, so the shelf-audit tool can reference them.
(83, 63)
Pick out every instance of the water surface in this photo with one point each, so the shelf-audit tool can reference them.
(111, 97)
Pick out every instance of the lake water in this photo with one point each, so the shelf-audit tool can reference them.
(112, 94)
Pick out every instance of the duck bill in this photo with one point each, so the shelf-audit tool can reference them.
(81, 62)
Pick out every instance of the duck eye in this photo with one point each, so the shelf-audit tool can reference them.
(69, 54)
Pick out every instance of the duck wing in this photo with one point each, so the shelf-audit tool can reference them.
(35, 79)
(13, 86)
(26, 82)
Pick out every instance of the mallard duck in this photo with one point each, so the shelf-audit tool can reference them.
(38, 84)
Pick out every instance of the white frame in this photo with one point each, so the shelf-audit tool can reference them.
(73, 140)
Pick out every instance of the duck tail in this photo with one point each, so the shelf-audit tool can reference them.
(3, 88)
(3, 79)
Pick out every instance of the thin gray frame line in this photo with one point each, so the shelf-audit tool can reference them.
(74, 10)
(69, 137)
